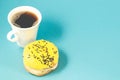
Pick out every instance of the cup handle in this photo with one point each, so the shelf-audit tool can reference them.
(10, 34)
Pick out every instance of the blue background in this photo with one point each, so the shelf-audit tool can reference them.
(87, 33)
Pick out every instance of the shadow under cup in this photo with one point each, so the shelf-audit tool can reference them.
(24, 21)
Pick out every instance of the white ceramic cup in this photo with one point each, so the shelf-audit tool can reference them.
(23, 36)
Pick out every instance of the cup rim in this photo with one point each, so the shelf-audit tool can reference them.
(39, 15)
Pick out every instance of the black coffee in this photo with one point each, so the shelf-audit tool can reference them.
(25, 20)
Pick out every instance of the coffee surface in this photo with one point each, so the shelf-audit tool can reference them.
(26, 20)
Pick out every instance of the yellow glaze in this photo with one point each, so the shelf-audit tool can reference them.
(40, 54)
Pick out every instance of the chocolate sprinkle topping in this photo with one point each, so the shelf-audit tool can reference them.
(43, 58)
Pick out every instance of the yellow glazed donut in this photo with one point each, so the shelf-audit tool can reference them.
(40, 57)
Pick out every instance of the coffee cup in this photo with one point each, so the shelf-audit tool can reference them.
(24, 21)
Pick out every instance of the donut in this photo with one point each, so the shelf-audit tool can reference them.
(40, 57)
